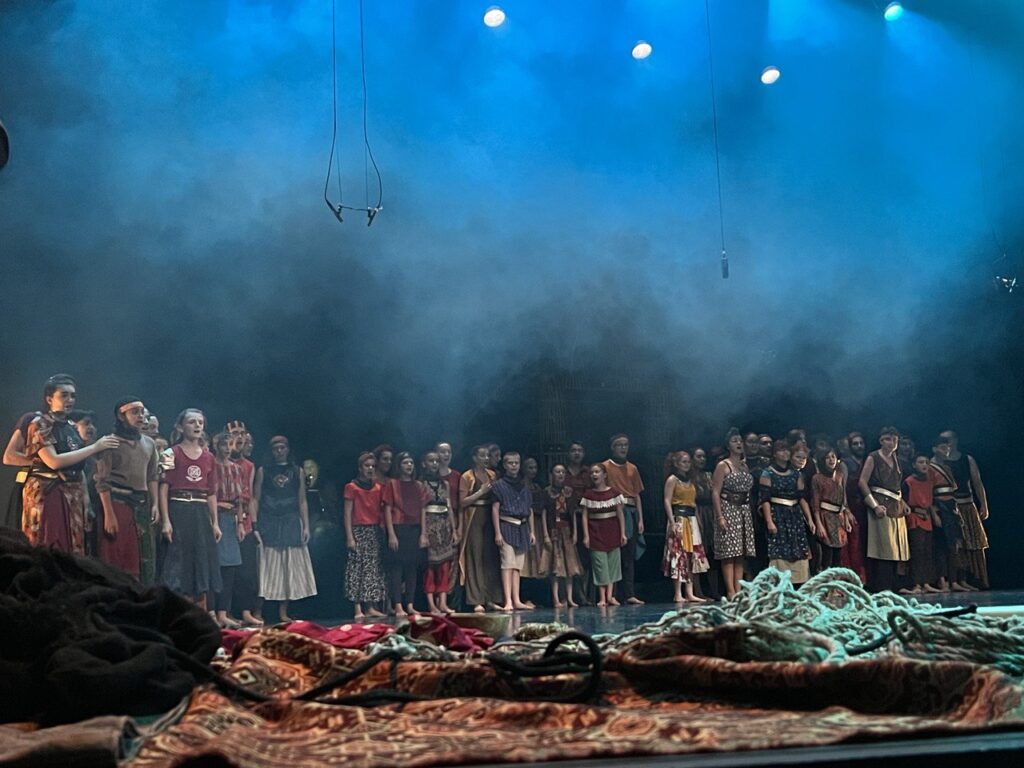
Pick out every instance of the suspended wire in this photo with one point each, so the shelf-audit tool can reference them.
(332, 160)
(366, 136)
(714, 119)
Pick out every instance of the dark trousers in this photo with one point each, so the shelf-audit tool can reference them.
(817, 554)
(246, 586)
(222, 602)
(404, 565)
(629, 567)
(829, 557)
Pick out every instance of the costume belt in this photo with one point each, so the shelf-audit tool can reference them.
(684, 510)
(511, 520)
(436, 509)
(964, 500)
(945, 490)
(784, 502)
(896, 495)
(601, 515)
(828, 506)
(736, 497)
(190, 496)
(22, 476)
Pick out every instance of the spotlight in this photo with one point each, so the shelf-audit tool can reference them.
(494, 17)
(1008, 284)
(642, 50)
(770, 74)
(893, 11)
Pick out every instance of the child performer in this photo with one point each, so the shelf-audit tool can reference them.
(126, 481)
(684, 548)
(188, 511)
(232, 527)
(403, 510)
(560, 536)
(478, 559)
(828, 502)
(512, 513)
(604, 533)
(437, 534)
(364, 571)
(918, 486)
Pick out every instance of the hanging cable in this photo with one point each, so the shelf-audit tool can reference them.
(714, 119)
(335, 208)
(370, 212)
(333, 158)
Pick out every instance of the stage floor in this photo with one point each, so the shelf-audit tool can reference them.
(613, 620)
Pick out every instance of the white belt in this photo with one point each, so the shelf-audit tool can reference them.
(784, 502)
(886, 492)
(967, 500)
(830, 507)
(943, 489)
(511, 520)
(600, 515)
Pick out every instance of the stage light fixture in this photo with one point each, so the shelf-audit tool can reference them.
(893, 11)
(642, 50)
(494, 17)
(770, 74)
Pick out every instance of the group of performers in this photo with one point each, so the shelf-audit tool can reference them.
(196, 514)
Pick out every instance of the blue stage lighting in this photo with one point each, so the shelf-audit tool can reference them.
(893, 11)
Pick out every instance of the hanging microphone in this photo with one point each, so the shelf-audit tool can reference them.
(725, 265)
(335, 210)
(371, 213)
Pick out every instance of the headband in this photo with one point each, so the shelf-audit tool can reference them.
(133, 404)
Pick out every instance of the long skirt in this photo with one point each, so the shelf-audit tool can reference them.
(562, 555)
(975, 543)
(364, 571)
(853, 555)
(286, 573)
(538, 558)
(606, 567)
(247, 578)
(123, 548)
(191, 565)
(53, 514)
(684, 550)
(481, 573)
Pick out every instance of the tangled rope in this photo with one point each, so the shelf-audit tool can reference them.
(832, 618)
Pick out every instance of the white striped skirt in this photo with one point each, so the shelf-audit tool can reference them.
(286, 573)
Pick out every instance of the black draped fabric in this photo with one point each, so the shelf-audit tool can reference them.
(82, 639)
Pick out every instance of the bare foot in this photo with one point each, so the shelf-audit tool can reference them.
(448, 611)
(613, 601)
(359, 616)
(285, 618)
(248, 618)
(906, 591)
(930, 588)
(506, 609)
(695, 599)
(494, 606)
(573, 604)
(529, 604)
(602, 604)
(969, 587)
(559, 605)
(523, 606)
(374, 612)
(956, 586)
(399, 611)
(479, 609)
(634, 601)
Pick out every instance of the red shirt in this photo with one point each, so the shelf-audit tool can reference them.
(406, 499)
(919, 496)
(605, 534)
(192, 474)
(366, 504)
(453, 487)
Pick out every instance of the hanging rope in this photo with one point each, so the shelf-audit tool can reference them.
(714, 121)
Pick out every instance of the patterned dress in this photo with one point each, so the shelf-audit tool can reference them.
(684, 547)
(737, 540)
(787, 547)
(53, 512)
(562, 555)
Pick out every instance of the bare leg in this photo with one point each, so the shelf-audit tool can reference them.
(506, 586)
(282, 612)
(517, 603)
(431, 607)
(568, 593)
(678, 596)
(358, 607)
(554, 594)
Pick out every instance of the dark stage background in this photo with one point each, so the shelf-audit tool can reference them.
(550, 215)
